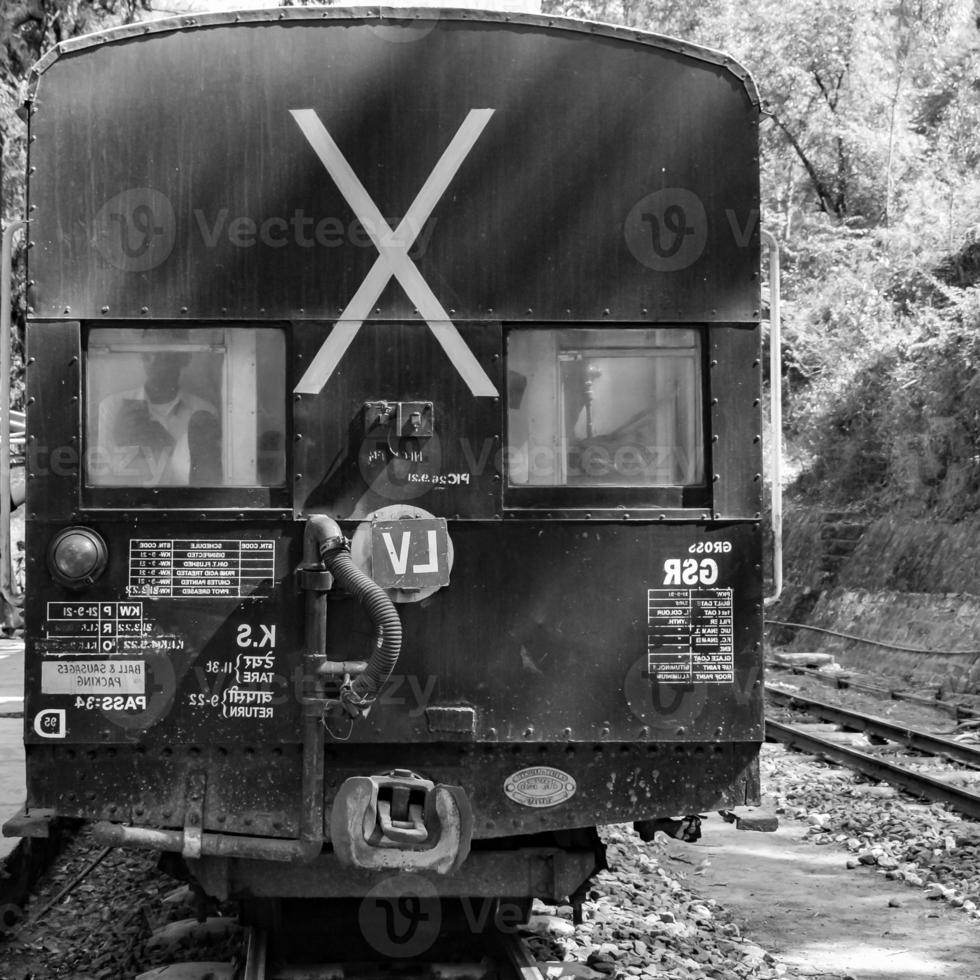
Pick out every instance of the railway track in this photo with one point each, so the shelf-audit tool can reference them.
(960, 762)
(843, 682)
(490, 956)
(398, 939)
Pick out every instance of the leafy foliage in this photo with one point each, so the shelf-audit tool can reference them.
(30, 27)
(904, 426)
(870, 183)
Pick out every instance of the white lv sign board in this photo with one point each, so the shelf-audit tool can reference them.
(399, 556)
(393, 260)
(410, 554)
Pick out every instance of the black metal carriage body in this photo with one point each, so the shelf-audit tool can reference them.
(482, 289)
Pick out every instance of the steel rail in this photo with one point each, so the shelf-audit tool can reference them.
(887, 693)
(516, 956)
(507, 957)
(961, 800)
(912, 737)
(256, 953)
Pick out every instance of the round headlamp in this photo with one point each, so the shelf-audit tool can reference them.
(77, 556)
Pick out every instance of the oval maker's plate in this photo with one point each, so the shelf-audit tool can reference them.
(539, 786)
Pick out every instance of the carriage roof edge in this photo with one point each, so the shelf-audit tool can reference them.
(188, 22)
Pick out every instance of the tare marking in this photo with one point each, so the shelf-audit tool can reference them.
(690, 571)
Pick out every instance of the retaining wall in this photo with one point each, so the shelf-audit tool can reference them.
(894, 579)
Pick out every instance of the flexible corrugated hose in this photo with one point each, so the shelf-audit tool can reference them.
(359, 694)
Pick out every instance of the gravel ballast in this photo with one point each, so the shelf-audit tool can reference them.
(878, 826)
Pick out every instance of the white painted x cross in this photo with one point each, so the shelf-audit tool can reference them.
(393, 259)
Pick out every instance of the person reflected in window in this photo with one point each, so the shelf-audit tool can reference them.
(160, 434)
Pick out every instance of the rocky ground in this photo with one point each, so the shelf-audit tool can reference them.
(101, 928)
(923, 844)
(644, 920)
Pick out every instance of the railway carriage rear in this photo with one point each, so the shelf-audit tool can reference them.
(477, 293)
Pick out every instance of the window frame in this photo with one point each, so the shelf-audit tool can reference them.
(611, 500)
(169, 497)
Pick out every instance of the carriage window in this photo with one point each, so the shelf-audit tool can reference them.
(198, 407)
(604, 408)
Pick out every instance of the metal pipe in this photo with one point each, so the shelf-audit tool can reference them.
(316, 582)
(212, 845)
(311, 828)
(776, 416)
(314, 704)
(8, 586)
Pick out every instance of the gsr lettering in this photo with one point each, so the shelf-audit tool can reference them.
(690, 571)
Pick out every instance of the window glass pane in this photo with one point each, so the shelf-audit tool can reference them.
(605, 408)
(200, 407)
